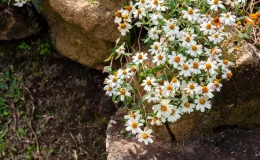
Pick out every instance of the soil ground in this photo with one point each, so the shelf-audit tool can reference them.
(51, 108)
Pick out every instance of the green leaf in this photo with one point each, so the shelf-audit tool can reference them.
(36, 4)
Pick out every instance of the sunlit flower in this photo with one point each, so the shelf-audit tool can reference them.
(215, 4)
(145, 136)
(202, 103)
(133, 126)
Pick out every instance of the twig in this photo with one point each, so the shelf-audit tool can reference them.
(139, 45)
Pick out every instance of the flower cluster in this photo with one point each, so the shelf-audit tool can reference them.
(188, 58)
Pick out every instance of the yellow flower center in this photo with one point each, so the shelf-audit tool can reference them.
(235, 49)
(192, 86)
(177, 59)
(133, 68)
(208, 26)
(118, 14)
(229, 75)
(216, 35)
(129, 8)
(185, 67)
(202, 101)
(169, 87)
(155, 47)
(173, 111)
(194, 48)
(215, 1)
(225, 61)
(204, 89)
(160, 57)
(122, 91)
(124, 72)
(195, 65)
(171, 26)
(142, 1)
(134, 125)
(125, 16)
(123, 25)
(187, 39)
(148, 82)
(155, 2)
(132, 115)
(227, 15)
(190, 11)
(216, 82)
(139, 11)
(163, 108)
(140, 56)
(109, 88)
(187, 104)
(155, 119)
(174, 80)
(144, 136)
(152, 95)
(208, 65)
(154, 32)
(114, 79)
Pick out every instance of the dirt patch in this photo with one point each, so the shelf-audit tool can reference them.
(62, 111)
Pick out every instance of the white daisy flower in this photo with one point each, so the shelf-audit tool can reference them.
(216, 38)
(126, 16)
(232, 3)
(142, 3)
(152, 96)
(159, 58)
(194, 50)
(110, 90)
(118, 16)
(225, 64)
(202, 103)
(163, 109)
(175, 83)
(154, 33)
(145, 136)
(176, 60)
(187, 107)
(113, 81)
(155, 48)
(19, 3)
(185, 69)
(216, 85)
(207, 91)
(210, 66)
(187, 39)
(155, 16)
(148, 83)
(213, 53)
(228, 19)
(195, 66)
(191, 15)
(205, 18)
(156, 120)
(140, 13)
(139, 58)
(215, 4)
(124, 28)
(124, 73)
(175, 115)
(227, 74)
(123, 92)
(207, 28)
(121, 49)
(171, 29)
(157, 5)
(133, 126)
(168, 89)
(191, 88)
(133, 115)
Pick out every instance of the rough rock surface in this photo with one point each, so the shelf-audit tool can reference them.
(83, 31)
(16, 23)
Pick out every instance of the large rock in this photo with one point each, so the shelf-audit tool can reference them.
(17, 23)
(83, 31)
